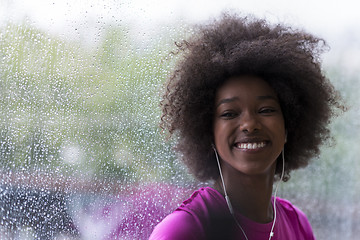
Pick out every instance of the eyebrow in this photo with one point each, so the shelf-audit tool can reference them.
(233, 99)
(227, 100)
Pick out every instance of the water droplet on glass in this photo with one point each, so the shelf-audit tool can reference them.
(81, 152)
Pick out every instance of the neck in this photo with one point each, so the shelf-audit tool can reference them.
(249, 195)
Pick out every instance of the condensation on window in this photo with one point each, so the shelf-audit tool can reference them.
(81, 152)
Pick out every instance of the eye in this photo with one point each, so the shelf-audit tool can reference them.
(228, 115)
(267, 110)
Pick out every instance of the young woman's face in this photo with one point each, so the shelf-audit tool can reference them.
(249, 129)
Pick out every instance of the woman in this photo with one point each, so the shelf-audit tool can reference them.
(249, 104)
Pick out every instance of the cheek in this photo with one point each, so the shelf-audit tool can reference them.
(217, 132)
(279, 130)
(220, 131)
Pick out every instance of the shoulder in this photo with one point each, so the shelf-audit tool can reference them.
(295, 217)
(191, 219)
(202, 201)
(293, 211)
(177, 225)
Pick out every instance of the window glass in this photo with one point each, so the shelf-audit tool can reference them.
(81, 152)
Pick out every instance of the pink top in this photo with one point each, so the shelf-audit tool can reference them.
(205, 215)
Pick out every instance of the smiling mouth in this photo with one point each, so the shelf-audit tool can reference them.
(250, 146)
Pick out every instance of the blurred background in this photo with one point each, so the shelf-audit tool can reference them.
(81, 152)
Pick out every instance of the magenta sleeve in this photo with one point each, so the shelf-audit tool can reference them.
(178, 226)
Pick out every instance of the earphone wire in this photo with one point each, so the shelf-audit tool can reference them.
(275, 193)
(227, 197)
(230, 205)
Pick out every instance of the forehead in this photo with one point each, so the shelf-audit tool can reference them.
(245, 87)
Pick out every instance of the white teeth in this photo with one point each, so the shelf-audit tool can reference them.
(251, 145)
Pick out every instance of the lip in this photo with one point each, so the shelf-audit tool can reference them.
(251, 140)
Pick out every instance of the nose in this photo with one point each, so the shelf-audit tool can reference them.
(249, 123)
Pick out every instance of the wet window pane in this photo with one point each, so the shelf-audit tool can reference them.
(81, 152)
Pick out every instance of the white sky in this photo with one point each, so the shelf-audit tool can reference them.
(336, 21)
(327, 15)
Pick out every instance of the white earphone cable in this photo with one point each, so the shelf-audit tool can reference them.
(275, 194)
(230, 205)
(227, 197)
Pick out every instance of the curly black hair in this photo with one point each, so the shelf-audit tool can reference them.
(287, 59)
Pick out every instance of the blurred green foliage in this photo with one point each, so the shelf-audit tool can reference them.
(72, 108)
(76, 108)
